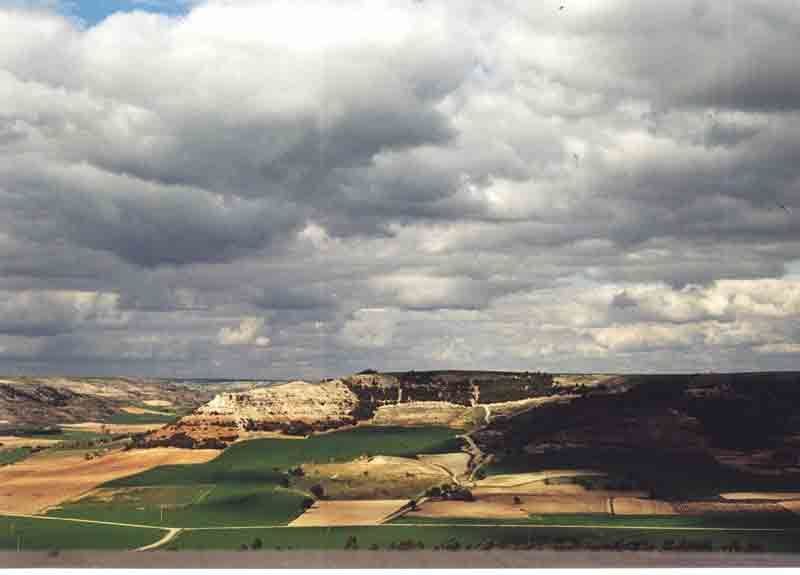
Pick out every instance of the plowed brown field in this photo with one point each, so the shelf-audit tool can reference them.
(48, 479)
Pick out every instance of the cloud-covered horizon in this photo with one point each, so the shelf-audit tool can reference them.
(281, 189)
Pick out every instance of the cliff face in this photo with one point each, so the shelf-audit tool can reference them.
(298, 408)
(465, 388)
(748, 420)
(294, 408)
(327, 404)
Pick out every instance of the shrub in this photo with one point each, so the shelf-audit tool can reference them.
(318, 491)
(257, 543)
(434, 492)
(351, 543)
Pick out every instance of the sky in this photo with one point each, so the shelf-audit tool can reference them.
(308, 188)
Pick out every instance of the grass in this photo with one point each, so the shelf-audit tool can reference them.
(44, 534)
(9, 456)
(785, 520)
(266, 460)
(243, 484)
(457, 537)
(196, 506)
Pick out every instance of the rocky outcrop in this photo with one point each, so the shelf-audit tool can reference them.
(294, 408)
(404, 398)
(328, 404)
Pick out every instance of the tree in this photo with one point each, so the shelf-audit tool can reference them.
(318, 491)
(257, 543)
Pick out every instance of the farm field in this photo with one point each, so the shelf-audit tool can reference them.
(9, 456)
(709, 521)
(373, 477)
(52, 477)
(489, 484)
(455, 537)
(332, 513)
(13, 442)
(762, 495)
(192, 505)
(247, 484)
(44, 534)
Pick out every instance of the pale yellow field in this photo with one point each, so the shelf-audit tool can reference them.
(512, 507)
(516, 479)
(48, 479)
(455, 463)
(339, 513)
(140, 410)
(701, 507)
(532, 488)
(112, 428)
(12, 442)
(549, 504)
(157, 402)
(480, 509)
(763, 495)
(380, 477)
(637, 506)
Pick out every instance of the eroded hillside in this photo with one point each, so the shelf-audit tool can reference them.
(48, 401)
(451, 398)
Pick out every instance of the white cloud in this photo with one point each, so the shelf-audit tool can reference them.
(369, 328)
(499, 184)
(246, 333)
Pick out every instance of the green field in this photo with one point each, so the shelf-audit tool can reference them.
(458, 537)
(237, 504)
(46, 534)
(243, 486)
(266, 460)
(9, 456)
(780, 520)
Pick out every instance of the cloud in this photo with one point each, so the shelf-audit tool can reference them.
(370, 328)
(246, 333)
(399, 185)
(46, 313)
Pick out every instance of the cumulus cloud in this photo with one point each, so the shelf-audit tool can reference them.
(43, 313)
(371, 328)
(612, 186)
(246, 333)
